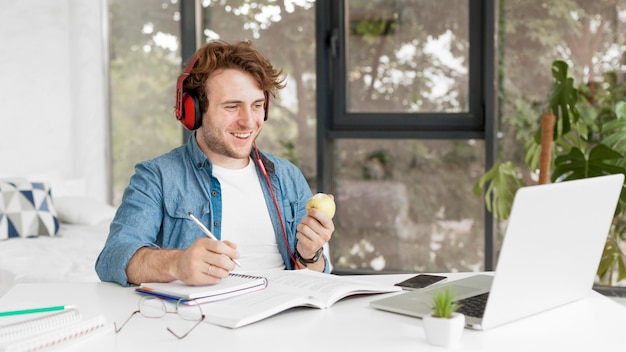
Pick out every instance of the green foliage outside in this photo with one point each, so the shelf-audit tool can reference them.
(142, 78)
(588, 141)
(142, 127)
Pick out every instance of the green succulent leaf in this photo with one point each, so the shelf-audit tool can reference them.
(444, 304)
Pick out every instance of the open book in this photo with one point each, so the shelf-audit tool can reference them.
(288, 289)
(233, 285)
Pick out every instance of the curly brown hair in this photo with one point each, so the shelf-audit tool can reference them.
(218, 55)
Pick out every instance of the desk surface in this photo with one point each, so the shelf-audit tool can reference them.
(350, 324)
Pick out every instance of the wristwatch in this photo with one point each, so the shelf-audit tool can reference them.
(315, 258)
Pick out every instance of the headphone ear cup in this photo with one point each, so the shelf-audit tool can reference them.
(192, 114)
(266, 105)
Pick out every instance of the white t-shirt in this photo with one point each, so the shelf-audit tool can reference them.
(245, 219)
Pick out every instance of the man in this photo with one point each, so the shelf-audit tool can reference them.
(253, 203)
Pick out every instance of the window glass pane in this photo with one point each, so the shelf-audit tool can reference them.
(144, 65)
(407, 56)
(284, 31)
(407, 205)
(590, 36)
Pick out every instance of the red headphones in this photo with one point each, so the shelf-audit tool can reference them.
(188, 110)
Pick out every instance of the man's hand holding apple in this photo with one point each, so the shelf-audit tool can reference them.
(314, 231)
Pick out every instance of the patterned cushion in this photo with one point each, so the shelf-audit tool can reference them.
(26, 209)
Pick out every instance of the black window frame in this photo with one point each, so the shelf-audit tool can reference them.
(470, 124)
(335, 122)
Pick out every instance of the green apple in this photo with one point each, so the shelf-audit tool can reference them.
(322, 202)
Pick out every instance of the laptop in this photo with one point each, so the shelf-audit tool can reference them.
(549, 256)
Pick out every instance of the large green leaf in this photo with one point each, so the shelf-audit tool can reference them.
(615, 134)
(607, 262)
(615, 130)
(563, 99)
(533, 154)
(575, 164)
(612, 258)
(499, 185)
(620, 110)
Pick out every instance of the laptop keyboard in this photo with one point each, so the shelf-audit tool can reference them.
(474, 306)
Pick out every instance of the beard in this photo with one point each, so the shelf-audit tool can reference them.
(215, 142)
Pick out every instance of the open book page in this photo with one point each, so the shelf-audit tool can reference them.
(288, 289)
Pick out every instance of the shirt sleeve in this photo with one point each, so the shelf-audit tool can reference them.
(136, 224)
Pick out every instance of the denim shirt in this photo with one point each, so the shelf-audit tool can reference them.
(161, 193)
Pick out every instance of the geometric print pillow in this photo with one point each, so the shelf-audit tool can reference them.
(26, 209)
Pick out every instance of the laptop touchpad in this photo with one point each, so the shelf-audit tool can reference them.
(471, 286)
(465, 291)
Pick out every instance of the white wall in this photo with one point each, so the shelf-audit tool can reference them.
(53, 86)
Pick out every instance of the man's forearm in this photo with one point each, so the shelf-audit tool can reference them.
(152, 265)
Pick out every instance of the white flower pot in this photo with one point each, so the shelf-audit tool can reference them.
(444, 331)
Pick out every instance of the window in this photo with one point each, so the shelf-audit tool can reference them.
(144, 65)
(406, 205)
(590, 38)
(406, 65)
(405, 134)
(406, 56)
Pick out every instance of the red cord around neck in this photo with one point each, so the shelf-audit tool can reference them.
(280, 216)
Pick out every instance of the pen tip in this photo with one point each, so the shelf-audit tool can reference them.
(189, 213)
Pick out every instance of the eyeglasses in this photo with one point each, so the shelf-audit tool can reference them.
(153, 307)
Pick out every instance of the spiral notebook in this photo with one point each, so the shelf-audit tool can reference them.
(234, 284)
(51, 330)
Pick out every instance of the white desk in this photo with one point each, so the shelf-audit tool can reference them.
(350, 325)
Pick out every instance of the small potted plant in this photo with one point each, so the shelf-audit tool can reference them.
(445, 325)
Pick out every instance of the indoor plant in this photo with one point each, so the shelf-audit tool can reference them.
(445, 325)
(586, 140)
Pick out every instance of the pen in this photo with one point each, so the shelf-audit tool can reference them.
(208, 233)
(35, 310)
